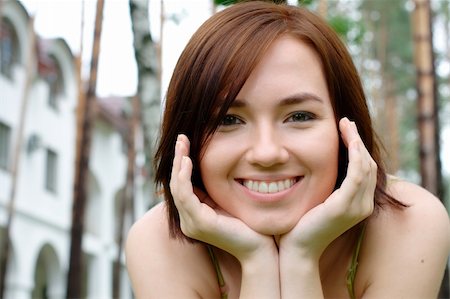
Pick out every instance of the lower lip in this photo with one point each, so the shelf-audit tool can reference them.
(269, 197)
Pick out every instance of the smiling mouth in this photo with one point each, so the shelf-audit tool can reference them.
(269, 187)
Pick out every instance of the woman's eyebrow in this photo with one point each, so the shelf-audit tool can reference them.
(237, 103)
(300, 98)
(293, 99)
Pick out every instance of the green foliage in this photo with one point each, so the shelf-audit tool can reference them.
(230, 2)
(390, 22)
(391, 46)
(225, 2)
(344, 26)
(340, 24)
(305, 2)
(380, 31)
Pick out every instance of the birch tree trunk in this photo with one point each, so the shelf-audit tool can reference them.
(148, 91)
(83, 145)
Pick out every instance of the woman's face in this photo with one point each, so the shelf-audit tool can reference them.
(275, 155)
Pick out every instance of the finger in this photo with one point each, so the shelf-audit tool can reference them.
(359, 185)
(185, 144)
(176, 165)
(348, 131)
(181, 149)
(353, 134)
(360, 159)
(353, 179)
(196, 217)
(369, 193)
(186, 194)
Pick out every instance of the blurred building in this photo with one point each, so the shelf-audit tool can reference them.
(40, 231)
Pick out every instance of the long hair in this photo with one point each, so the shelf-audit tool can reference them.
(215, 65)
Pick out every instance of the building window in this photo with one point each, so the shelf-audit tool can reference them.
(51, 171)
(9, 47)
(51, 72)
(5, 135)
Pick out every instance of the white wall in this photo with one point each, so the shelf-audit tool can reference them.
(42, 220)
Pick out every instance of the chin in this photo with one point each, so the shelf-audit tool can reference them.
(273, 228)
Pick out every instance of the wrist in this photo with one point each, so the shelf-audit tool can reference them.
(264, 256)
(299, 275)
(260, 275)
(293, 250)
(298, 261)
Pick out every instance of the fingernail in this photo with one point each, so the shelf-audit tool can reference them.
(179, 137)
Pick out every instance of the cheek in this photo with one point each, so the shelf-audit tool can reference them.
(330, 153)
(214, 164)
(322, 147)
(323, 151)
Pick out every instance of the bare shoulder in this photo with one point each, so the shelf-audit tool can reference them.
(406, 250)
(162, 267)
(425, 212)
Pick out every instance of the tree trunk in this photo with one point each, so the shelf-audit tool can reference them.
(387, 114)
(10, 209)
(148, 90)
(323, 8)
(82, 165)
(128, 195)
(392, 144)
(428, 117)
(430, 165)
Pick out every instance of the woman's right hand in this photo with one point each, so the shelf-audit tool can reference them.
(203, 220)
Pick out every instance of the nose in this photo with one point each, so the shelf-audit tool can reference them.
(266, 147)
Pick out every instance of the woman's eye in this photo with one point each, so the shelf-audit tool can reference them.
(230, 120)
(301, 116)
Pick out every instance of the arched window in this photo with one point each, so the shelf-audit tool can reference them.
(51, 72)
(9, 47)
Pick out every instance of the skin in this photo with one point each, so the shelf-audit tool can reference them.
(271, 135)
(288, 244)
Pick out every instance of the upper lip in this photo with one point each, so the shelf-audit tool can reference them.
(268, 178)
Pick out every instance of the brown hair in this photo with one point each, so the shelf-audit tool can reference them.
(215, 65)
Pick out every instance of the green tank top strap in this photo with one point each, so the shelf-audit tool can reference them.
(351, 272)
(220, 279)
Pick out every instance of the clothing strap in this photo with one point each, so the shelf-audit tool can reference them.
(220, 279)
(351, 273)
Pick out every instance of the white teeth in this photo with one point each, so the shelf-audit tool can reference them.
(248, 184)
(273, 187)
(281, 185)
(269, 187)
(263, 187)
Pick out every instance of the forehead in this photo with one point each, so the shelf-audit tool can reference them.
(288, 67)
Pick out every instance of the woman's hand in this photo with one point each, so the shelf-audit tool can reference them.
(344, 208)
(301, 248)
(203, 220)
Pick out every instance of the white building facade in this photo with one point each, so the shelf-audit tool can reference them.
(41, 223)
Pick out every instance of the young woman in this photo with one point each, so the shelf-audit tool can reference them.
(272, 177)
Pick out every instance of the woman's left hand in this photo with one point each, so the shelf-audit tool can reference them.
(343, 209)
